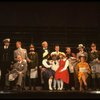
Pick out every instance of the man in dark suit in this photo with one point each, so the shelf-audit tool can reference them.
(44, 52)
(6, 57)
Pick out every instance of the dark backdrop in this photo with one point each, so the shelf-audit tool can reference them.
(65, 23)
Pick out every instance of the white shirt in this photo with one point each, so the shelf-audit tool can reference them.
(5, 47)
(55, 65)
(44, 62)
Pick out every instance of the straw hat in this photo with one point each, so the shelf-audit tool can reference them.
(80, 46)
(62, 53)
(53, 54)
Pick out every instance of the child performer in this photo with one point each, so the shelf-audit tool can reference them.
(48, 73)
(83, 71)
(55, 65)
(62, 74)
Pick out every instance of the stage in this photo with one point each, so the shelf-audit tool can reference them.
(46, 94)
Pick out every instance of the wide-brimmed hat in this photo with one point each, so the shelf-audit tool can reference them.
(80, 46)
(53, 54)
(82, 55)
(73, 58)
(62, 53)
(6, 40)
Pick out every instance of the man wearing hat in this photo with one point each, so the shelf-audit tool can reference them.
(94, 59)
(6, 59)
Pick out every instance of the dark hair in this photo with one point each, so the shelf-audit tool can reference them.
(56, 45)
(93, 44)
(67, 47)
(32, 45)
(19, 42)
(83, 57)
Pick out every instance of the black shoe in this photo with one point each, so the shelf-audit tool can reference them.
(18, 87)
(86, 88)
(7, 88)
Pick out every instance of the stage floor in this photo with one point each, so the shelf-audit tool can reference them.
(46, 94)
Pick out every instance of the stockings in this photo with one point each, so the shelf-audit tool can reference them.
(50, 84)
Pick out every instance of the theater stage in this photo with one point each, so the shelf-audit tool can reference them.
(46, 94)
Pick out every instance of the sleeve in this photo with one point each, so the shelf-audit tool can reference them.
(77, 68)
(77, 56)
(25, 67)
(36, 59)
(15, 55)
(26, 56)
(66, 65)
(88, 68)
(87, 56)
(44, 62)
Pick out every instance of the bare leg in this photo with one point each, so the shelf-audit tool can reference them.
(80, 84)
(84, 81)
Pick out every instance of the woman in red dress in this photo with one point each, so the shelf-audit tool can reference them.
(62, 74)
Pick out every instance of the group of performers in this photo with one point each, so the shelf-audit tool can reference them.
(55, 70)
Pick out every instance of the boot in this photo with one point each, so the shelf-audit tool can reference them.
(94, 84)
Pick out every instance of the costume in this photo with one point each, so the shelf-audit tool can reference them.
(43, 54)
(55, 66)
(83, 70)
(62, 72)
(22, 52)
(33, 68)
(95, 68)
(82, 53)
(72, 72)
(14, 73)
(6, 58)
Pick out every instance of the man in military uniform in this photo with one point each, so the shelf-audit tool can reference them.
(6, 55)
